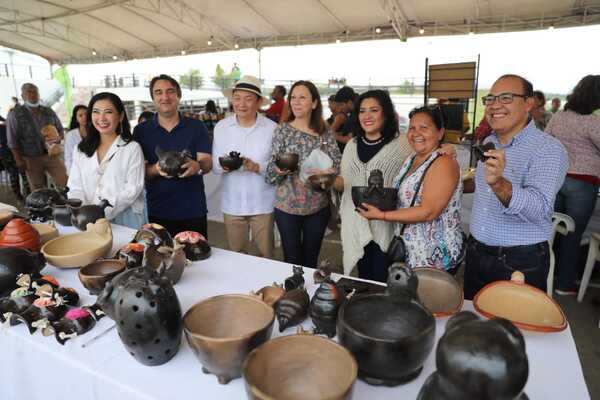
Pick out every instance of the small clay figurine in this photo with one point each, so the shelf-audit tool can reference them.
(296, 280)
(375, 183)
(165, 261)
(324, 307)
(195, 245)
(171, 162)
(292, 308)
(132, 254)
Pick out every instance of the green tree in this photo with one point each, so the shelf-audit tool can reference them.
(192, 79)
(220, 78)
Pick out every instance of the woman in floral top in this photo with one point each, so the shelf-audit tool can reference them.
(433, 234)
(301, 212)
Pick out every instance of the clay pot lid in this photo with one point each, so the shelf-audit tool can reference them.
(19, 233)
(439, 291)
(524, 305)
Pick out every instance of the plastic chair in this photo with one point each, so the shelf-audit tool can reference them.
(593, 256)
(562, 224)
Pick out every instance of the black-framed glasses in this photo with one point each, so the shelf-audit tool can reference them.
(503, 98)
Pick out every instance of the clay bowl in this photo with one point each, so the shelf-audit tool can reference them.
(231, 163)
(439, 292)
(387, 202)
(79, 249)
(524, 305)
(222, 330)
(95, 275)
(300, 367)
(47, 232)
(321, 182)
(389, 339)
(287, 162)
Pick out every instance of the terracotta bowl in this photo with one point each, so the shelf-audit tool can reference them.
(79, 249)
(47, 232)
(231, 163)
(387, 202)
(321, 182)
(525, 306)
(300, 367)
(95, 275)
(287, 162)
(439, 292)
(222, 330)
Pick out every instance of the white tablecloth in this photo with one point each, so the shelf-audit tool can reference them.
(36, 367)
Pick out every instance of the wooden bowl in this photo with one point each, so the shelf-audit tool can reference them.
(439, 292)
(222, 330)
(287, 162)
(47, 232)
(79, 249)
(300, 367)
(321, 182)
(524, 305)
(95, 275)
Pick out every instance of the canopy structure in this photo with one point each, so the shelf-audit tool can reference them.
(93, 31)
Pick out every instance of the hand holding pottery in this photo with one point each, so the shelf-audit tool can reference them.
(480, 150)
(287, 162)
(375, 194)
(231, 161)
(478, 359)
(171, 162)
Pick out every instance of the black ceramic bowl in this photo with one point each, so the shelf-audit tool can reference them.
(390, 340)
(287, 162)
(231, 163)
(387, 202)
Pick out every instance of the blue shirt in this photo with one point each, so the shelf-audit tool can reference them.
(536, 165)
(174, 198)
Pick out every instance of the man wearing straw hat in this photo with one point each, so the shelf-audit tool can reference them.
(246, 200)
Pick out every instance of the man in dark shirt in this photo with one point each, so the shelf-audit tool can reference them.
(344, 123)
(178, 204)
(8, 162)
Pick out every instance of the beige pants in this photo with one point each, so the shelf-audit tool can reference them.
(238, 227)
(37, 166)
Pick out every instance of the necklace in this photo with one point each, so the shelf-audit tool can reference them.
(371, 142)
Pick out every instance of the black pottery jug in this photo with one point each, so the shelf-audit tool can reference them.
(88, 214)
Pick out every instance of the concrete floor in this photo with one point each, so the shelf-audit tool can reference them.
(583, 317)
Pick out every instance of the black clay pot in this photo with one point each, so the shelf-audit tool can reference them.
(478, 151)
(195, 245)
(15, 261)
(76, 322)
(153, 234)
(132, 254)
(478, 359)
(390, 334)
(148, 318)
(292, 308)
(287, 162)
(171, 162)
(107, 298)
(88, 214)
(39, 203)
(232, 161)
(324, 307)
(296, 280)
(375, 194)
(61, 213)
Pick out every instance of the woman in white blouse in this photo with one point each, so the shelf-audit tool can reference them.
(108, 164)
(76, 133)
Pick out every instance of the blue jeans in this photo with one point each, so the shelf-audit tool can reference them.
(577, 199)
(301, 236)
(130, 219)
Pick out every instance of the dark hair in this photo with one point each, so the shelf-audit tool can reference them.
(435, 113)
(211, 107)
(331, 98)
(316, 116)
(390, 124)
(527, 86)
(345, 94)
(90, 143)
(164, 77)
(145, 115)
(540, 96)
(281, 89)
(585, 98)
(74, 124)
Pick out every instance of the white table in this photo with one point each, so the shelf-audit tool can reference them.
(36, 367)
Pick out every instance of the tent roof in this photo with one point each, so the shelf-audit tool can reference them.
(92, 31)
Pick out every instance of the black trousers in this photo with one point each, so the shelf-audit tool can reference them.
(486, 264)
(179, 225)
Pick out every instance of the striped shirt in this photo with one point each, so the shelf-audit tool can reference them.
(536, 165)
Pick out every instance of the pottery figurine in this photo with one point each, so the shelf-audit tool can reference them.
(269, 294)
(81, 216)
(18, 233)
(296, 280)
(478, 359)
(324, 307)
(154, 234)
(195, 245)
(292, 308)
(231, 161)
(76, 322)
(375, 194)
(390, 334)
(39, 203)
(287, 162)
(132, 254)
(171, 161)
(15, 261)
(165, 261)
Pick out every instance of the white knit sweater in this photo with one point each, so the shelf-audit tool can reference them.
(357, 231)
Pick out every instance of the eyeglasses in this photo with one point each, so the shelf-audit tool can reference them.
(503, 98)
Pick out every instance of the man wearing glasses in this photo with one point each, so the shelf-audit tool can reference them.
(515, 186)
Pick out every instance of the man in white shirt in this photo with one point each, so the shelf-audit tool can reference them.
(246, 200)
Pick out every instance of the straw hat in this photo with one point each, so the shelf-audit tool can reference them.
(248, 83)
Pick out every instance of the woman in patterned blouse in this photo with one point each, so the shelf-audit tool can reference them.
(301, 212)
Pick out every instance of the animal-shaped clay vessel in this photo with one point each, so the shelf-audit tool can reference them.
(90, 213)
(324, 307)
(478, 360)
(171, 161)
(292, 308)
(61, 213)
(296, 280)
(39, 203)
